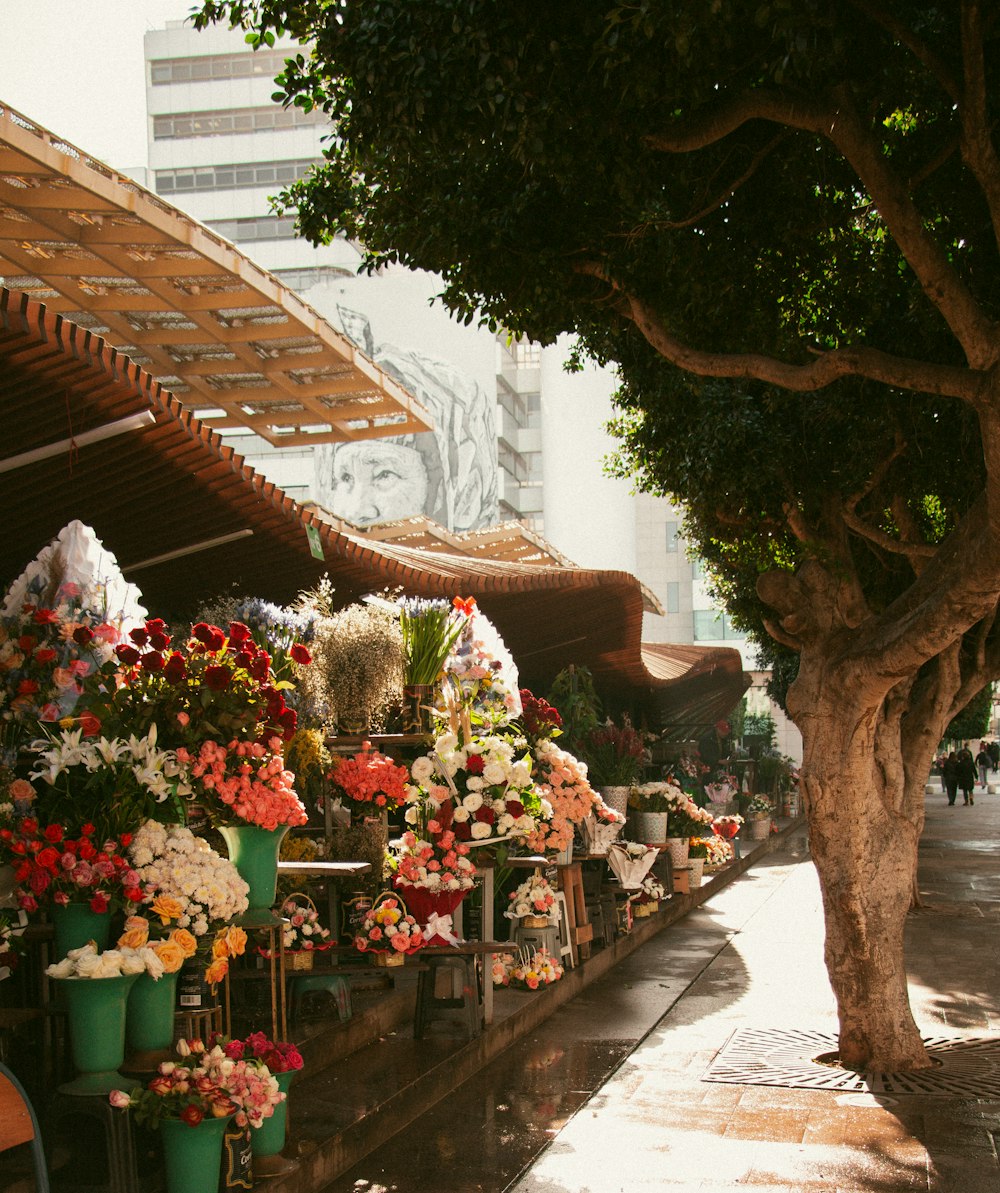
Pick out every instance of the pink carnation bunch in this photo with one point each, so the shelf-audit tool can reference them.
(244, 783)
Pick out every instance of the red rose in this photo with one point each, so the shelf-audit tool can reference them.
(475, 764)
(27, 687)
(463, 830)
(26, 643)
(202, 631)
(175, 670)
(156, 625)
(127, 654)
(238, 632)
(485, 815)
(515, 808)
(261, 666)
(99, 903)
(45, 654)
(38, 880)
(217, 678)
(243, 659)
(139, 636)
(87, 830)
(87, 850)
(300, 654)
(132, 894)
(152, 660)
(45, 616)
(159, 641)
(90, 724)
(83, 635)
(53, 832)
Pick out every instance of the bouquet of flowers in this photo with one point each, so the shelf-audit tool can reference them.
(534, 897)
(115, 785)
(59, 624)
(723, 789)
(615, 754)
(430, 630)
(482, 671)
(244, 782)
(277, 1056)
(726, 827)
(630, 863)
(718, 851)
(88, 962)
(440, 863)
(303, 931)
(371, 777)
(481, 789)
(651, 890)
(759, 805)
(173, 864)
(563, 784)
(533, 970)
(654, 797)
(210, 1085)
(50, 867)
(684, 817)
(387, 928)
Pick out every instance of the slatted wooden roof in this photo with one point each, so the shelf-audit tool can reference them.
(187, 519)
(182, 302)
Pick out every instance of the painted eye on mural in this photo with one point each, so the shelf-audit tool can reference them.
(387, 476)
(343, 477)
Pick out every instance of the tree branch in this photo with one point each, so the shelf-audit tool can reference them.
(886, 541)
(978, 151)
(918, 48)
(828, 367)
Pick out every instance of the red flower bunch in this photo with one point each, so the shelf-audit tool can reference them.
(49, 868)
(215, 686)
(279, 1057)
(539, 718)
(371, 777)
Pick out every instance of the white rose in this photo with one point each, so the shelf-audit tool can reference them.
(109, 965)
(504, 824)
(461, 814)
(520, 775)
(481, 831)
(132, 961)
(446, 743)
(422, 769)
(65, 968)
(522, 907)
(88, 965)
(412, 814)
(474, 783)
(473, 802)
(494, 773)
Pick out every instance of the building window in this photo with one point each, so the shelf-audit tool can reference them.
(673, 535)
(216, 66)
(712, 625)
(697, 571)
(673, 602)
(264, 227)
(217, 178)
(223, 123)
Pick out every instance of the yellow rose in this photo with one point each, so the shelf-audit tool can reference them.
(136, 933)
(220, 950)
(184, 941)
(171, 954)
(167, 908)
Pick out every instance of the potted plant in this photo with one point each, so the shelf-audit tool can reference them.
(698, 849)
(758, 818)
(651, 804)
(615, 756)
(389, 933)
(684, 821)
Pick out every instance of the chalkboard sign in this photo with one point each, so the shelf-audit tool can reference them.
(237, 1156)
(352, 914)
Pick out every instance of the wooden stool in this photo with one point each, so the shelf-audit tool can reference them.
(581, 932)
(430, 1004)
(566, 955)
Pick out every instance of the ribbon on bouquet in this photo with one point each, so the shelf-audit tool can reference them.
(440, 925)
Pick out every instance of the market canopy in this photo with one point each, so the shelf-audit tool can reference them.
(89, 434)
(185, 304)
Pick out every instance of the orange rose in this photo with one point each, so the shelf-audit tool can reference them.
(167, 908)
(171, 955)
(216, 971)
(236, 941)
(136, 933)
(220, 950)
(185, 941)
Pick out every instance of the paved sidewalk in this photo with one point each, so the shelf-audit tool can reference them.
(752, 958)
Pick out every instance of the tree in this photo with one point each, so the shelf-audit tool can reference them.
(974, 720)
(780, 219)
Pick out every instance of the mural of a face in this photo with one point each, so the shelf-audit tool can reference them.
(377, 481)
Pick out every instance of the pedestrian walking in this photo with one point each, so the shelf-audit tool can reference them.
(949, 776)
(983, 762)
(967, 774)
(993, 749)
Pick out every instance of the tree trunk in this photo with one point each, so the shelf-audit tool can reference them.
(864, 845)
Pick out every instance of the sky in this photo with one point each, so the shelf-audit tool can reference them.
(77, 69)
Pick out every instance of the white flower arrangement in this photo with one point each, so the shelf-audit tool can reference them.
(533, 897)
(155, 771)
(87, 962)
(172, 861)
(652, 890)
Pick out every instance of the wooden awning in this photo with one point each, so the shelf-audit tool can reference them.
(227, 337)
(89, 434)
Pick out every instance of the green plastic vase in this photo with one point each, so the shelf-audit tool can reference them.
(193, 1155)
(254, 853)
(149, 1019)
(95, 1008)
(75, 924)
(269, 1138)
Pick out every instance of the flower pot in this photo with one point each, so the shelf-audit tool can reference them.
(758, 827)
(387, 960)
(254, 852)
(615, 797)
(651, 827)
(95, 1008)
(564, 857)
(193, 1155)
(268, 1139)
(149, 1017)
(696, 871)
(678, 847)
(75, 924)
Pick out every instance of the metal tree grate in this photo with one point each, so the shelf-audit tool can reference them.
(787, 1057)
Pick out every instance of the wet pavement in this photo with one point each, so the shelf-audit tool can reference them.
(608, 1094)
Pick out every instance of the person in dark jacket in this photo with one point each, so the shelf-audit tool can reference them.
(983, 763)
(949, 775)
(967, 774)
